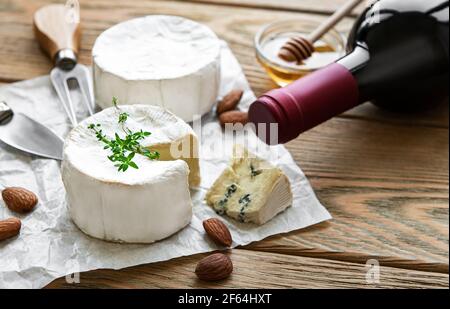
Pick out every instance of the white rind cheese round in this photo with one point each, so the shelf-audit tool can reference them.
(168, 61)
(139, 205)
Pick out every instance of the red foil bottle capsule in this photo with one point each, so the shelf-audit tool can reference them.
(305, 103)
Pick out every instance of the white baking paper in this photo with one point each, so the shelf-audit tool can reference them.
(51, 246)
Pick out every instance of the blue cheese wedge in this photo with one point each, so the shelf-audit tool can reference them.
(250, 189)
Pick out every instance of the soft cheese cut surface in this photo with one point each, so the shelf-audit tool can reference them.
(250, 189)
(140, 205)
(169, 61)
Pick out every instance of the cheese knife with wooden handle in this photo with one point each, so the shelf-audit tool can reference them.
(57, 29)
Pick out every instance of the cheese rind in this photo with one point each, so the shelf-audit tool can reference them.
(140, 205)
(167, 61)
(250, 189)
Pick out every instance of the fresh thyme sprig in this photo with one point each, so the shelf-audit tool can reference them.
(124, 149)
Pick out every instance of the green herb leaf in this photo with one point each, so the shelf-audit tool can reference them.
(123, 117)
(123, 150)
(133, 165)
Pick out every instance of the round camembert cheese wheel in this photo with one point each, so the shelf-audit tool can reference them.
(139, 205)
(169, 61)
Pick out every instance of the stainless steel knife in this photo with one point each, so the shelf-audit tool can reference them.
(24, 133)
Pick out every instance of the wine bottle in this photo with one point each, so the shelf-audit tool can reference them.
(398, 58)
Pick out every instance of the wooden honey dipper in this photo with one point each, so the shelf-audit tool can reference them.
(300, 48)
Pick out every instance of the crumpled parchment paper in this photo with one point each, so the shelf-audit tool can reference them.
(51, 246)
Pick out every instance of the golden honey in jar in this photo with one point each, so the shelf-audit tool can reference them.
(271, 38)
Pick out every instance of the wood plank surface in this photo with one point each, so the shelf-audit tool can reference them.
(271, 271)
(383, 176)
(435, 117)
(326, 7)
(387, 189)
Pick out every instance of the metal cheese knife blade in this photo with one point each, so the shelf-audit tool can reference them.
(24, 133)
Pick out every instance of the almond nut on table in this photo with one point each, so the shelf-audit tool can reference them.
(19, 199)
(230, 101)
(218, 232)
(233, 117)
(9, 228)
(214, 267)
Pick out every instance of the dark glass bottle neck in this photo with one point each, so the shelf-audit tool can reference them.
(354, 62)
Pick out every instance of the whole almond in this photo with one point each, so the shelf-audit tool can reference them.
(9, 228)
(230, 101)
(214, 267)
(19, 199)
(218, 232)
(233, 117)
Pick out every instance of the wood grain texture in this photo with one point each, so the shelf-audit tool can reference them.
(386, 186)
(383, 176)
(271, 271)
(326, 7)
(437, 116)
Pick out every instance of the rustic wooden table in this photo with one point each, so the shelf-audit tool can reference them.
(383, 177)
